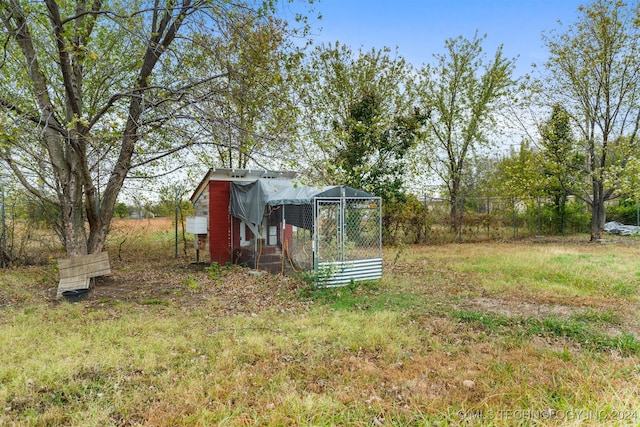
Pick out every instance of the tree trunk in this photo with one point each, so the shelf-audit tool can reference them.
(598, 212)
(456, 208)
(71, 210)
(563, 212)
(100, 221)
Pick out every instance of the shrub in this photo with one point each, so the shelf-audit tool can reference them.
(624, 212)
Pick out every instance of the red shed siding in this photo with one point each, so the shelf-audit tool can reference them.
(219, 222)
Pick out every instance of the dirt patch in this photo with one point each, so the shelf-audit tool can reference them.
(627, 315)
(230, 290)
(145, 272)
(525, 309)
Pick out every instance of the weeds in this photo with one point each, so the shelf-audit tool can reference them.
(452, 335)
(154, 301)
(608, 317)
(191, 283)
(213, 271)
(584, 331)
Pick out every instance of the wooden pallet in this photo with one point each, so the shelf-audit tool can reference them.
(77, 272)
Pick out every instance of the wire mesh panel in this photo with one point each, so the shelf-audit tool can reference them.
(362, 233)
(348, 243)
(297, 236)
(328, 237)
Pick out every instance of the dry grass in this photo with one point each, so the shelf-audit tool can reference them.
(524, 333)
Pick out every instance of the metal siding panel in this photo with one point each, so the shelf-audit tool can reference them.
(344, 272)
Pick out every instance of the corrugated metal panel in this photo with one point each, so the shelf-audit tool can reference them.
(343, 272)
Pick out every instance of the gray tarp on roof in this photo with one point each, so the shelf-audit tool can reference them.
(249, 199)
(336, 191)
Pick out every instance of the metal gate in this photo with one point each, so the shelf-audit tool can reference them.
(347, 240)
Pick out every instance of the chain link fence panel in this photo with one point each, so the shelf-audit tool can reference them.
(491, 217)
(348, 240)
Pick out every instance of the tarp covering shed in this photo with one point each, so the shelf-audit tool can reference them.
(250, 199)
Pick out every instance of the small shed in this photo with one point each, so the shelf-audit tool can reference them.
(267, 220)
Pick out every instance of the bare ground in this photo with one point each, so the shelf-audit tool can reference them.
(232, 290)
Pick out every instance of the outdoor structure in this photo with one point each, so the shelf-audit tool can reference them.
(267, 220)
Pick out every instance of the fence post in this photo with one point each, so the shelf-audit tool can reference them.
(343, 224)
(2, 219)
(488, 217)
(176, 219)
(539, 217)
(426, 225)
(513, 217)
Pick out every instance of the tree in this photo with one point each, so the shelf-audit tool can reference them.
(89, 89)
(464, 93)
(594, 72)
(371, 152)
(350, 102)
(359, 114)
(519, 173)
(121, 210)
(562, 164)
(252, 113)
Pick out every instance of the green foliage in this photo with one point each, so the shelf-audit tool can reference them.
(315, 278)
(579, 331)
(405, 221)
(43, 213)
(490, 322)
(170, 198)
(121, 210)
(463, 91)
(561, 164)
(595, 63)
(214, 271)
(259, 60)
(624, 211)
(574, 329)
(608, 317)
(191, 283)
(574, 217)
(367, 296)
(519, 174)
(155, 301)
(357, 106)
(560, 158)
(371, 155)
(627, 180)
(577, 217)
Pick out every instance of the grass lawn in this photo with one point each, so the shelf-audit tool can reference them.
(522, 333)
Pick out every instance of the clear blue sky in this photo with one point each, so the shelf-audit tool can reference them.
(419, 28)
